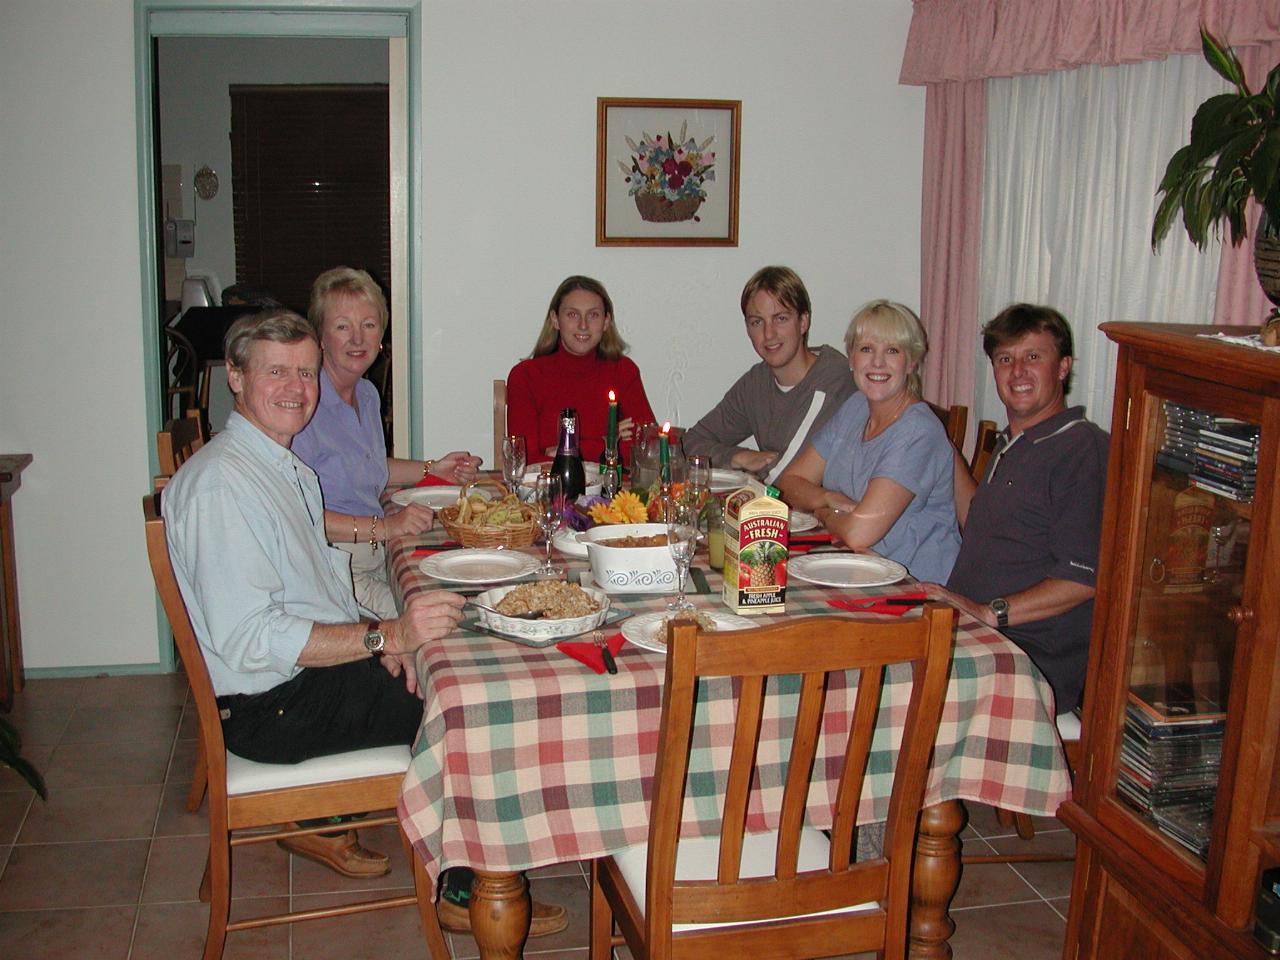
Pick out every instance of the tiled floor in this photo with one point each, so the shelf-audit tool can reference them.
(109, 867)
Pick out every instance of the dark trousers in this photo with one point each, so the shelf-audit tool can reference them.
(323, 710)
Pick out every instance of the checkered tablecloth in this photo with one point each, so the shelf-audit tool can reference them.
(527, 758)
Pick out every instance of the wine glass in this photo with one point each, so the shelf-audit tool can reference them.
(514, 457)
(609, 476)
(682, 539)
(547, 495)
(699, 480)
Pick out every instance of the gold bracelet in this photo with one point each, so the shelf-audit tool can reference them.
(355, 531)
(426, 468)
(373, 530)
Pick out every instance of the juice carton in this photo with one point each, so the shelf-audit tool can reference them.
(756, 531)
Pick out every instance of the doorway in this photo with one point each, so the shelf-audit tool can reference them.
(394, 23)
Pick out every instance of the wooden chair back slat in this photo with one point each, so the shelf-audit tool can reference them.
(180, 438)
(500, 421)
(983, 449)
(738, 786)
(955, 419)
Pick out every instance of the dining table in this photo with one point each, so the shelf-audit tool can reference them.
(527, 757)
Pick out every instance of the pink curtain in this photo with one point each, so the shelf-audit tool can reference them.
(953, 46)
(1240, 297)
(974, 39)
(950, 236)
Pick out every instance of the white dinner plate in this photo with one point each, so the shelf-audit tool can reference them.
(479, 566)
(722, 481)
(434, 497)
(845, 570)
(801, 521)
(566, 541)
(649, 630)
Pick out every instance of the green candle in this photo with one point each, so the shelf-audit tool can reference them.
(612, 440)
(664, 453)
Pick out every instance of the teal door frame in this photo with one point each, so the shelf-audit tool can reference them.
(252, 18)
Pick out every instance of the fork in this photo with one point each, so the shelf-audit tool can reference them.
(597, 637)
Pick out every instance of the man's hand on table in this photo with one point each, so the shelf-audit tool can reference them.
(408, 520)
(979, 611)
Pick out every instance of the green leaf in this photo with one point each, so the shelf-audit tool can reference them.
(1223, 61)
(1216, 121)
(1264, 166)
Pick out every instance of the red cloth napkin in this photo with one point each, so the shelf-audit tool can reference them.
(878, 604)
(804, 542)
(431, 480)
(589, 653)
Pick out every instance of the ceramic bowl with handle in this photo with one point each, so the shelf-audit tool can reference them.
(629, 569)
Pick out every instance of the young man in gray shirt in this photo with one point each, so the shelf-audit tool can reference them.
(785, 397)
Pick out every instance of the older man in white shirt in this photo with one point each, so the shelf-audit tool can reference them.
(299, 668)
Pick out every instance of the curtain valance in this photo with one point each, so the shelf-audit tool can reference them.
(957, 40)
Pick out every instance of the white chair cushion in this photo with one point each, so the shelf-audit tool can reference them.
(247, 776)
(1069, 726)
(697, 858)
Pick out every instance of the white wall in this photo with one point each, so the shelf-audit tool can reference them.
(195, 114)
(831, 163)
(71, 379)
(830, 185)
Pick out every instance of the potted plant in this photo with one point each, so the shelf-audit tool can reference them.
(1234, 154)
(10, 756)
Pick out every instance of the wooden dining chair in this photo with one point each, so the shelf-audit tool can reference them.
(180, 438)
(791, 892)
(955, 419)
(245, 796)
(499, 420)
(984, 446)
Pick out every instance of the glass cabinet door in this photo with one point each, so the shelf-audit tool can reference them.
(1195, 547)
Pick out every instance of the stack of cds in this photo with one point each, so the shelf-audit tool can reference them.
(1169, 761)
(1219, 453)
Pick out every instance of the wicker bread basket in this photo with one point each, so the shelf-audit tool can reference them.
(473, 535)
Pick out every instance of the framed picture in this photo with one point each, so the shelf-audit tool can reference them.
(667, 172)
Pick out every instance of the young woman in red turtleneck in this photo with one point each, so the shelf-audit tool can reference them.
(577, 360)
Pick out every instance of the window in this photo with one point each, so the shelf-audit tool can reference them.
(310, 184)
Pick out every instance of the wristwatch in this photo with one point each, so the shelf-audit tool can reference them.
(999, 606)
(374, 639)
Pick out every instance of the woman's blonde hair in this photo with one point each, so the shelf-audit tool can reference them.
(611, 347)
(883, 321)
(344, 282)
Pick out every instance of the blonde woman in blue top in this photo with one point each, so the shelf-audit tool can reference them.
(880, 474)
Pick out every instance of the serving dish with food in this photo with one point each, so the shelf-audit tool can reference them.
(626, 557)
(567, 609)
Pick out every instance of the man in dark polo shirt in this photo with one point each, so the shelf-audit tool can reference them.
(1028, 559)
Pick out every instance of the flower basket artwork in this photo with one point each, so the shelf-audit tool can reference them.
(667, 190)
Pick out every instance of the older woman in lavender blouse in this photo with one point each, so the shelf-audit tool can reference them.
(344, 443)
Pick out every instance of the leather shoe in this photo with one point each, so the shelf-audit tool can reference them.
(548, 918)
(342, 854)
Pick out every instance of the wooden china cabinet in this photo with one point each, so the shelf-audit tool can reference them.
(1177, 807)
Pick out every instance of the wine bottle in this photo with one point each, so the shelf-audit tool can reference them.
(568, 462)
